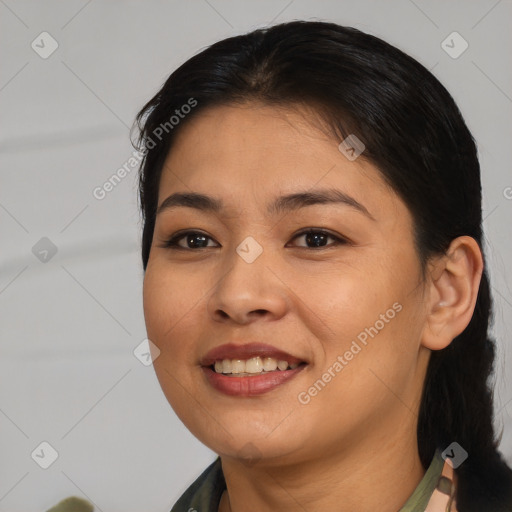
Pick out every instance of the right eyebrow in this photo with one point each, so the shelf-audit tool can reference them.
(191, 200)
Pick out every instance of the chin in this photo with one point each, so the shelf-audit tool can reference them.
(249, 446)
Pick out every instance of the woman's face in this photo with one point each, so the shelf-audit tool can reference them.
(346, 301)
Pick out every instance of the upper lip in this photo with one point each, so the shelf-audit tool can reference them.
(247, 351)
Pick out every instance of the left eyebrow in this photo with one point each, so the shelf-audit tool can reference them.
(286, 203)
(299, 200)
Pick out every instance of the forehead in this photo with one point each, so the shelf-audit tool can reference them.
(250, 153)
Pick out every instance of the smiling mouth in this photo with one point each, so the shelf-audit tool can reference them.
(245, 384)
(252, 367)
(249, 369)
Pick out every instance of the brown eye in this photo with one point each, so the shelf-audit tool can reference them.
(314, 238)
(318, 238)
(193, 240)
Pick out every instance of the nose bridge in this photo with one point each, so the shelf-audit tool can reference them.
(247, 285)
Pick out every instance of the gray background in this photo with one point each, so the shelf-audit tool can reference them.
(69, 323)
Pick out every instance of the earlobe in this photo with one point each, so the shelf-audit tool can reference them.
(454, 280)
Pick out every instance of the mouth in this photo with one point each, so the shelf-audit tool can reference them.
(251, 369)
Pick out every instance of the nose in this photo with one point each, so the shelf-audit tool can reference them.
(247, 292)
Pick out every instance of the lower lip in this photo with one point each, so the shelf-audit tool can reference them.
(249, 386)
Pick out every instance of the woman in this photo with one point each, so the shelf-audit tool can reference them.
(314, 277)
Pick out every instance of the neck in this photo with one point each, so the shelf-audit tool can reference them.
(380, 473)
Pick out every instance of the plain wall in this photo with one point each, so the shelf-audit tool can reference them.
(69, 324)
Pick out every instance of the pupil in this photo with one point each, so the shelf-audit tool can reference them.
(314, 238)
(192, 237)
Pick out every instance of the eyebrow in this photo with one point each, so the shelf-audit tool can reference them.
(287, 203)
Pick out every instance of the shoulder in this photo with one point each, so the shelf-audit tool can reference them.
(205, 492)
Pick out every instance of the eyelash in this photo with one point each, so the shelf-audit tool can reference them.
(172, 243)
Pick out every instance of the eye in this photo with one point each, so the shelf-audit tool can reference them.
(318, 237)
(197, 240)
(193, 240)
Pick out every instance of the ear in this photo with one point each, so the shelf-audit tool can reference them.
(453, 284)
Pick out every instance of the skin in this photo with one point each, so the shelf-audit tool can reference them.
(353, 447)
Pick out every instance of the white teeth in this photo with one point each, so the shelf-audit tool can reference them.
(238, 366)
(269, 364)
(254, 365)
(282, 365)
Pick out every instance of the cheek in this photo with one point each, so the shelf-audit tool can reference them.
(374, 315)
(166, 304)
(155, 302)
(169, 294)
(351, 299)
(171, 326)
